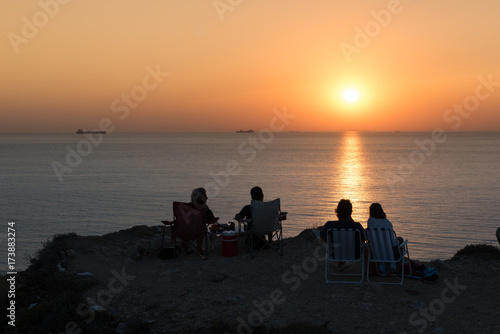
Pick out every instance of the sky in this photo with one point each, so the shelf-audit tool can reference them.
(225, 65)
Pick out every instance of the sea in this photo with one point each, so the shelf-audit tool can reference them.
(441, 190)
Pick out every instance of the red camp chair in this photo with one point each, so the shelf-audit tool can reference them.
(189, 226)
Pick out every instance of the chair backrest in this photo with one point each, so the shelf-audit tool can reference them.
(188, 220)
(343, 245)
(265, 215)
(380, 240)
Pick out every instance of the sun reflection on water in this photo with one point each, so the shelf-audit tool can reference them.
(349, 179)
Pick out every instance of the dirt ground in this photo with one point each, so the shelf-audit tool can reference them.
(242, 295)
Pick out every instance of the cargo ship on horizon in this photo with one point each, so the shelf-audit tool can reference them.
(82, 132)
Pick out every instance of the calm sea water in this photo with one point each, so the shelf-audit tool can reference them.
(439, 195)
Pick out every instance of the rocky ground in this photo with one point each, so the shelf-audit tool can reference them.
(133, 290)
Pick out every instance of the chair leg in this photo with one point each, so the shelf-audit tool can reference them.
(193, 246)
(384, 282)
(279, 237)
(260, 239)
(276, 246)
(402, 271)
(201, 242)
(331, 273)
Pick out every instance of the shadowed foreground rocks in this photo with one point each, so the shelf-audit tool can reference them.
(116, 283)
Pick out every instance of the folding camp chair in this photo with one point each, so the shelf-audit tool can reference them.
(383, 251)
(266, 220)
(343, 245)
(189, 226)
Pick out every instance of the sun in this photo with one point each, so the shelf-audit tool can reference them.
(350, 95)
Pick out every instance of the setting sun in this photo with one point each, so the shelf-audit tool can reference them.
(344, 67)
(350, 95)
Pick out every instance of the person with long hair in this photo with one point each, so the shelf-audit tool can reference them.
(199, 201)
(378, 219)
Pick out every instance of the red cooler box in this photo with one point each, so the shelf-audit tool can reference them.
(229, 243)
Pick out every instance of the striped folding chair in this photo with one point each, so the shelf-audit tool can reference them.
(343, 246)
(383, 251)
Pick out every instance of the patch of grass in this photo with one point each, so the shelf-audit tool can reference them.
(478, 249)
(49, 256)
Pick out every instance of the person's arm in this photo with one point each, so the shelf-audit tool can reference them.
(362, 231)
(244, 213)
(209, 215)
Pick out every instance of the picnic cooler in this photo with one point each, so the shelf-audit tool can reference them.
(229, 243)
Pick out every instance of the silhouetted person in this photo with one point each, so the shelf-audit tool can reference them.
(343, 211)
(378, 219)
(246, 213)
(199, 201)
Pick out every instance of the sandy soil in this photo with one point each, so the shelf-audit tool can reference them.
(243, 295)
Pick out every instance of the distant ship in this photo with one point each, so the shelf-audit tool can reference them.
(245, 131)
(81, 132)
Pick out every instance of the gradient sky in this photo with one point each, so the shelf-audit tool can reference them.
(229, 67)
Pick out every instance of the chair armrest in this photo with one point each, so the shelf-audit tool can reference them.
(166, 222)
(244, 221)
(213, 221)
(403, 243)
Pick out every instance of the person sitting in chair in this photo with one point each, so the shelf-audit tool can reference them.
(378, 219)
(199, 201)
(343, 211)
(246, 213)
(345, 221)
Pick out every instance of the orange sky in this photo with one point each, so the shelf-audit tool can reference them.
(69, 64)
